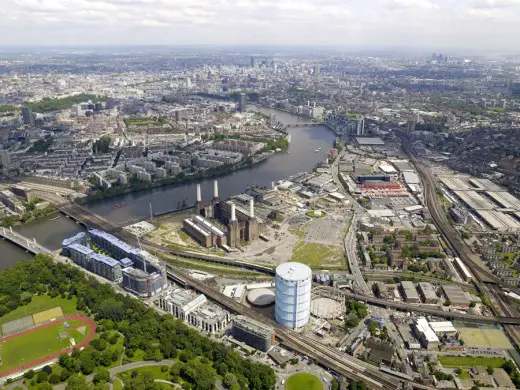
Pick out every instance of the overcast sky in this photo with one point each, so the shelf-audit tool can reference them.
(441, 25)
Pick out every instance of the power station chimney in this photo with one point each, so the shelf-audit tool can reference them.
(233, 213)
(215, 189)
(199, 196)
(252, 208)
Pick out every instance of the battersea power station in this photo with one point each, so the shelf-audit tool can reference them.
(242, 224)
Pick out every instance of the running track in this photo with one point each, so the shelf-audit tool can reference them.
(87, 321)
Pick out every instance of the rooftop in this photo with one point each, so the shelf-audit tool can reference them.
(422, 326)
(254, 326)
(293, 271)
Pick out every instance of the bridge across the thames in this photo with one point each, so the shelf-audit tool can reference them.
(23, 242)
(304, 124)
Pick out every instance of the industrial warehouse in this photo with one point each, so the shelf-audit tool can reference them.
(487, 201)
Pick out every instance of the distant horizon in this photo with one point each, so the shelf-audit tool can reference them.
(470, 26)
(249, 49)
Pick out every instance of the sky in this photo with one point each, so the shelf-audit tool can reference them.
(435, 25)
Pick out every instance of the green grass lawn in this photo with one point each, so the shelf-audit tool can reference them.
(464, 374)
(117, 347)
(41, 303)
(303, 381)
(32, 346)
(318, 256)
(471, 361)
(117, 384)
(138, 356)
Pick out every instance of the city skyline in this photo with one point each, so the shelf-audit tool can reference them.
(476, 25)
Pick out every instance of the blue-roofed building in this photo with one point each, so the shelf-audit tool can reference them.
(128, 257)
(80, 238)
(126, 262)
(106, 267)
(80, 254)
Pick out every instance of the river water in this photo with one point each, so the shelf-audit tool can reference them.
(300, 158)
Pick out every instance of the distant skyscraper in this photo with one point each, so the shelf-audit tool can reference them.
(316, 70)
(361, 126)
(253, 62)
(27, 116)
(242, 103)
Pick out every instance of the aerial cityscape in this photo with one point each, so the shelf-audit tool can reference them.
(260, 212)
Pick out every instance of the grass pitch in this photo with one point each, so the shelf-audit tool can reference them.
(471, 361)
(484, 338)
(47, 315)
(41, 303)
(38, 344)
(303, 381)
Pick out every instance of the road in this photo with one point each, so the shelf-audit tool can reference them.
(119, 369)
(351, 252)
(350, 239)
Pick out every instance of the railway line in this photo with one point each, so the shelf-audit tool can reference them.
(431, 310)
(339, 362)
(448, 231)
(486, 283)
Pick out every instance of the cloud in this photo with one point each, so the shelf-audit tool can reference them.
(439, 24)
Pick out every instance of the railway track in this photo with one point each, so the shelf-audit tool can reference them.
(343, 364)
(448, 231)
(506, 309)
(486, 283)
(339, 362)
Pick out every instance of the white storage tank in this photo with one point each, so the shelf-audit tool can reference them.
(293, 294)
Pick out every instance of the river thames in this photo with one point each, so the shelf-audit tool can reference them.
(300, 157)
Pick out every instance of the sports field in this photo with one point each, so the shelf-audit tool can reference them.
(44, 342)
(484, 338)
(471, 361)
(40, 303)
(303, 381)
(47, 315)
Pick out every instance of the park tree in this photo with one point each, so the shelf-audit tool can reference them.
(87, 363)
(112, 310)
(26, 297)
(29, 374)
(77, 382)
(99, 344)
(200, 375)
(54, 379)
(229, 380)
(64, 375)
(42, 377)
(101, 375)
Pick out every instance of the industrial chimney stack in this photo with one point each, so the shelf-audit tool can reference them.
(215, 189)
(251, 208)
(233, 213)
